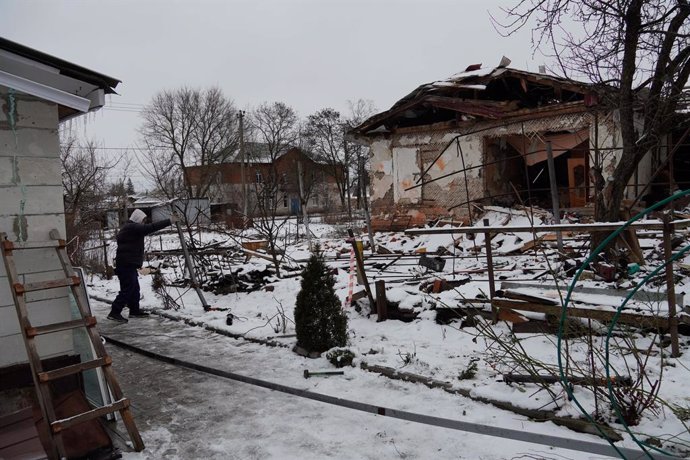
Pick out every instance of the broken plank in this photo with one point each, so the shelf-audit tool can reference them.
(526, 297)
(590, 313)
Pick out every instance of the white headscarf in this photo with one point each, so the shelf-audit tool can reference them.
(137, 216)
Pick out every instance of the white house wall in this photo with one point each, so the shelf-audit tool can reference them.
(397, 164)
(30, 206)
(381, 172)
(405, 174)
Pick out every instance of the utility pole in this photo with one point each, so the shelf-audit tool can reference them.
(303, 202)
(240, 115)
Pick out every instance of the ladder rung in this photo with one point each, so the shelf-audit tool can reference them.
(59, 425)
(74, 369)
(88, 321)
(42, 285)
(53, 244)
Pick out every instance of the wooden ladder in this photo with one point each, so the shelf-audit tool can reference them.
(43, 378)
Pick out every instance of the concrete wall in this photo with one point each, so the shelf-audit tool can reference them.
(398, 162)
(30, 206)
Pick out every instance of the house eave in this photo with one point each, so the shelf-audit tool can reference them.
(48, 93)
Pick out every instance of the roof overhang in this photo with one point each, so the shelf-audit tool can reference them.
(48, 93)
(75, 89)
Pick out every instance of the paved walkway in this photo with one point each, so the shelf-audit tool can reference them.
(187, 414)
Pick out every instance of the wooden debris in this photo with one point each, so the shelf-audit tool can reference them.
(255, 245)
(578, 425)
(575, 380)
(506, 314)
(590, 313)
(526, 297)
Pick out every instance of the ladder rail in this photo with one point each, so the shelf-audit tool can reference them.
(42, 378)
(43, 389)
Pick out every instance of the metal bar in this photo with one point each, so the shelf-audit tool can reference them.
(554, 193)
(575, 228)
(490, 270)
(670, 287)
(190, 268)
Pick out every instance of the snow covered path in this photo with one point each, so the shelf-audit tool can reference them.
(186, 414)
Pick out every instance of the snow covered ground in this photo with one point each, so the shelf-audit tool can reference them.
(439, 352)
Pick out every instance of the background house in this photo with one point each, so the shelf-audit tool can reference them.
(260, 176)
(480, 137)
(37, 92)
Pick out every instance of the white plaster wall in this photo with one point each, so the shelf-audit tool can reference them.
(406, 173)
(467, 148)
(30, 206)
(381, 176)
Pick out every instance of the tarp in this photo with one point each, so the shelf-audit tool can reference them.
(533, 148)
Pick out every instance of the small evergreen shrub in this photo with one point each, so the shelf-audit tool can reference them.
(320, 322)
(340, 357)
(469, 372)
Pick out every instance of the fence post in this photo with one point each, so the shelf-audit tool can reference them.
(381, 302)
(360, 269)
(490, 268)
(108, 275)
(670, 286)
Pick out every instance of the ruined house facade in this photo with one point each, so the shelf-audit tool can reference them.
(37, 92)
(480, 137)
(266, 180)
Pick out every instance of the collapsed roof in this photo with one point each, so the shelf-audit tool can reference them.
(476, 93)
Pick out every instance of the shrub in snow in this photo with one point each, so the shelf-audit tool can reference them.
(340, 357)
(320, 322)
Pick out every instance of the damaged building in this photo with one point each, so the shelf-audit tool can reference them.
(481, 136)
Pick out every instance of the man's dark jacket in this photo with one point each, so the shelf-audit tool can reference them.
(130, 242)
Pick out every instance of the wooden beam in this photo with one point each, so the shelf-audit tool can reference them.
(599, 315)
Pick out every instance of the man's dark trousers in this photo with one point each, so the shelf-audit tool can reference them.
(129, 289)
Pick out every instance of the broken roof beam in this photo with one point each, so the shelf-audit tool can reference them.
(575, 228)
(487, 109)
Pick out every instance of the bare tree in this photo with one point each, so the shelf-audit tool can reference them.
(638, 50)
(84, 173)
(359, 110)
(188, 127)
(274, 127)
(324, 135)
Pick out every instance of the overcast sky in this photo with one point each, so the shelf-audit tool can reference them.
(309, 54)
